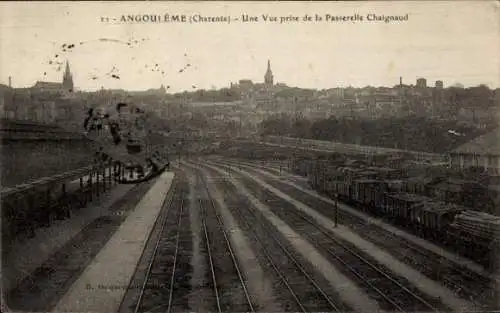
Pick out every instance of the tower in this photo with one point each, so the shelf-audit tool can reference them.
(10, 82)
(67, 78)
(268, 78)
(421, 83)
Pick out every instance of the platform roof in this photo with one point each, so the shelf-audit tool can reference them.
(47, 181)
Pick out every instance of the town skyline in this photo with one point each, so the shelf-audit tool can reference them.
(438, 42)
(415, 83)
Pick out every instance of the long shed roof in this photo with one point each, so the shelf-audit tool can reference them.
(487, 144)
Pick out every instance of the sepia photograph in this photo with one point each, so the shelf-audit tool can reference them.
(250, 156)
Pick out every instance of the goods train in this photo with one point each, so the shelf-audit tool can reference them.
(389, 193)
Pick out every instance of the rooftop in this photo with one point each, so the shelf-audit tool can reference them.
(369, 181)
(382, 169)
(53, 85)
(410, 197)
(486, 144)
(441, 207)
(367, 173)
(448, 186)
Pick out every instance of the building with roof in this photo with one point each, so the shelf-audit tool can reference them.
(66, 85)
(482, 152)
(246, 84)
(47, 86)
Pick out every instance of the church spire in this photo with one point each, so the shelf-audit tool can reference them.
(268, 78)
(67, 71)
(68, 78)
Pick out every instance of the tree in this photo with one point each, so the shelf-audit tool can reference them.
(301, 127)
(275, 125)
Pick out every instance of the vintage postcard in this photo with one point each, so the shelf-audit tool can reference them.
(247, 156)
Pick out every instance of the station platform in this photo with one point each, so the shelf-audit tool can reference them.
(103, 284)
(19, 262)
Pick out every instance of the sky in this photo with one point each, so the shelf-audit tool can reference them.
(457, 42)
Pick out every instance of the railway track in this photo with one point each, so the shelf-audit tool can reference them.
(464, 282)
(390, 291)
(301, 181)
(304, 292)
(227, 281)
(158, 289)
(385, 287)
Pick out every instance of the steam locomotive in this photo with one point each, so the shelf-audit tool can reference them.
(126, 143)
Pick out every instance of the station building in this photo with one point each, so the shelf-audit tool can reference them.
(481, 152)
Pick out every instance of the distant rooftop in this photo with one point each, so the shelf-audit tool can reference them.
(52, 85)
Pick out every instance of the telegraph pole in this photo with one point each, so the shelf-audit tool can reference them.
(336, 209)
(183, 103)
(241, 125)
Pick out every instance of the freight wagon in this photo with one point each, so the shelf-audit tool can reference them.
(475, 232)
(427, 217)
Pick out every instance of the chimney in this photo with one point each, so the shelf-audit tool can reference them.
(10, 82)
(400, 81)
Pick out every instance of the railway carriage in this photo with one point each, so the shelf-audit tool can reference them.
(400, 206)
(305, 167)
(360, 189)
(327, 175)
(422, 204)
(316, 173)
(394, 185)
(333, 183)
(433, 218)
(475, 233)
(369, 193)
(312, 172)
(463, 192)
(415, 185)
(298, 166)
(342, 189)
